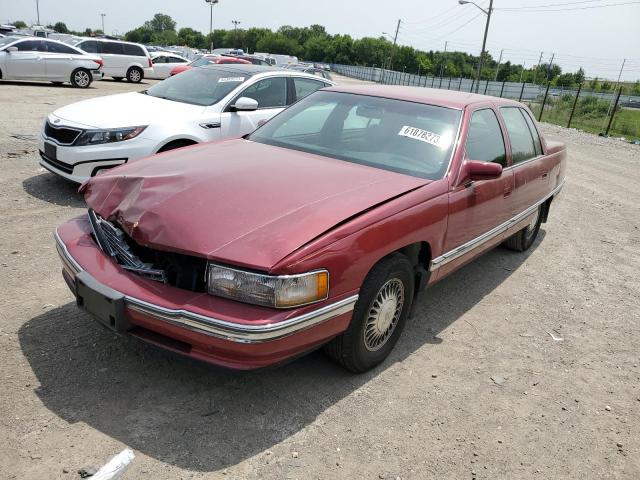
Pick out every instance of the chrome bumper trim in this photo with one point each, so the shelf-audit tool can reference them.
(485, 237)
(216, 327)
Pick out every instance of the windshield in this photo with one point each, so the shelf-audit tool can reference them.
(404, 137)
(198, 86)
(7, 40)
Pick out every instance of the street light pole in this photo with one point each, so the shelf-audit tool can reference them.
(235, 33)
(38, 10)
(484, 39)
(103, 15)
(211, 4)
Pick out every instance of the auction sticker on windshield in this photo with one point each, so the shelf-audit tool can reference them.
(419, 134)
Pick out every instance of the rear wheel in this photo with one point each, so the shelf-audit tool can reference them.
(523, 240)
(378, 318)
(81, 78)
(134, 75)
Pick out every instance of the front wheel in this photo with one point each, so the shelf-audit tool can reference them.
(378, 317)
(523, 240)
(134, 75)
(81, 78)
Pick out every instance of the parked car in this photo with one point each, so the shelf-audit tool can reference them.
(121, 59)
(313, 71)
(319, 228)
(249, 58)
(164, 63)
(209, 60)
(31, 58)
(204, 104)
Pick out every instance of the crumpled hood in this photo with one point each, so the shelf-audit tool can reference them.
(237, 201)
(125, 110)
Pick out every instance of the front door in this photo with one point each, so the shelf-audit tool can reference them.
(476, 208)
(271, 95)
(28, 62)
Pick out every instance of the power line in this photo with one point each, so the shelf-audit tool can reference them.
(551, 5)
(525, 10)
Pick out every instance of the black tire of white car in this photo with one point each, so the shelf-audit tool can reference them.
(81, 78)
(134, 75)
(378, 318)
(523, 240)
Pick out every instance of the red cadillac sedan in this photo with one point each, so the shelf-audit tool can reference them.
(208, 60)
(318, 229)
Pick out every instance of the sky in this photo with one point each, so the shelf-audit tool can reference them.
(598, 39)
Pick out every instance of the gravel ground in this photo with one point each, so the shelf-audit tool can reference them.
(477, 387)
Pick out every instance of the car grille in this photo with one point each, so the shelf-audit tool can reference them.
(61, 135)
(182, 271)
(55, 163)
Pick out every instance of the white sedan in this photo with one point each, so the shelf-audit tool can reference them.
(31, 58)
(164, 62)
(202, 104)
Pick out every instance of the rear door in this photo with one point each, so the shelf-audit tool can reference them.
(115, 63)
(272, 96)
(530, 175)
(59, 61)
(28, 62)
(475, 208)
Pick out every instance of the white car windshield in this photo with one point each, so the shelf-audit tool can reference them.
(401, 136)
(198, 86)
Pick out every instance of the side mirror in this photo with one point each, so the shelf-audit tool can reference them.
(475, 170)
(245, 104)
(11, 49)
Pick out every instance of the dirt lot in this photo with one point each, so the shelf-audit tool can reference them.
(73, 394)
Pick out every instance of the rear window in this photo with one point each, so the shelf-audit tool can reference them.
(113, 48)
(198, 86)
(134, 50)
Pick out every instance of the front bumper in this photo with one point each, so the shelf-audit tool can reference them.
(78, 164)
(208, 328)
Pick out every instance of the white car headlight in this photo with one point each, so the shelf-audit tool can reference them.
(95, 137)
(283, 291)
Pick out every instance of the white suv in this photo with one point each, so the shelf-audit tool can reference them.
(121, 59)
(203, 104)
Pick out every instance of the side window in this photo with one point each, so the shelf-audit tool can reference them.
(534, 131)
(160, 59)
(484, 140)
(59, 48)
(522, 147)
(113, 48)
(134, 50)
(269, 93)
(305, 86)
(175, 60)
(90, 46)
(31, 46)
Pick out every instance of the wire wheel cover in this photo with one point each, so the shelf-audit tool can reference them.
(384, 314)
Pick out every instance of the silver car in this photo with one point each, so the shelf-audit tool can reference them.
(31, 58)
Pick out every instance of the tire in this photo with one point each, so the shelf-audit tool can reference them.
(378, 317)
(176, 144)
(81, 78)
(135, 75)
(117, 79)
(523, 240)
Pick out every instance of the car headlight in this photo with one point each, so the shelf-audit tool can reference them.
(283, 291)
(94, 137)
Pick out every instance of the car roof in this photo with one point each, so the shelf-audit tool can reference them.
(429, 96)
(243, 68)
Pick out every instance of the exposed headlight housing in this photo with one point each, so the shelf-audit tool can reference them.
(282, 291)
(110, 135)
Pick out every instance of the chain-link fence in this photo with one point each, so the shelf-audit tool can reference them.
(615, 113)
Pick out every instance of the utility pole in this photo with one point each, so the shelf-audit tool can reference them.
(395, 41)
(38, 10)
(103, 15)
(624, 60)
(550, 65)
(484, 39)
(498, 67)
(535, 74)
(235, 32)
(524, 64)
(211, 4)
(443, 58)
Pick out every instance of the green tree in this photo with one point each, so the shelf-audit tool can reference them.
(61, 27)
(19, 24)
(279, 44)
(160, 22)
(192, 38)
